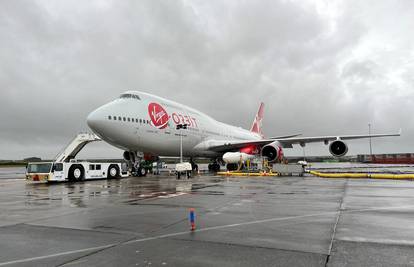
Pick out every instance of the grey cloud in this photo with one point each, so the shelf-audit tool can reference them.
(361, 70)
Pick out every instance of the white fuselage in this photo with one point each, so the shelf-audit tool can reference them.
(146, 123)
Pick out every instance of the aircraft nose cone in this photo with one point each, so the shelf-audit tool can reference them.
(92, 120)
(96, 121)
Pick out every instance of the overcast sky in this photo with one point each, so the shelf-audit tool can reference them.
(321, 67)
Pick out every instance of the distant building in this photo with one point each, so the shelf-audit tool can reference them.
(33, 159)
(399, 158)
(322, 159)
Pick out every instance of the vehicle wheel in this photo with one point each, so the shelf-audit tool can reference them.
(76, 173)
(142, 172)
(178, 175)
(113, 172)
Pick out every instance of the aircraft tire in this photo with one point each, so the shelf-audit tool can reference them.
(142, 172)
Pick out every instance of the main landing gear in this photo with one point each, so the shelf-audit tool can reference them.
(214, 167)
(194, 166)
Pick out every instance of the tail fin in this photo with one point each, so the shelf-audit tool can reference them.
(257, 123)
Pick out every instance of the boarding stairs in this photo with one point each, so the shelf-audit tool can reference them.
(75, 146)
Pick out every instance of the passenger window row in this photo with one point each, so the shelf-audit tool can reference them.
(128, 119)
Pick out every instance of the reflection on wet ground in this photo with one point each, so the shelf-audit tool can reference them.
(362, 167)
(241, 221)
(12, 172)
(128, 191)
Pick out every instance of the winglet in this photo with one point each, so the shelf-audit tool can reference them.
(400, 131)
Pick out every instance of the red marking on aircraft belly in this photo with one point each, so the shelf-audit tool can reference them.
(249, 150)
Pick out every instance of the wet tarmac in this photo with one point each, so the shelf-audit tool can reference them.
(12, 172)
(260, 221)
(361, 167)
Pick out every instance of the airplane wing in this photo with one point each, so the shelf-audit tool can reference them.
(226, 145)
(285, 136)
(304, 140)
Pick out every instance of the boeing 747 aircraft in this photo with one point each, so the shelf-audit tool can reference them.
(145, 126)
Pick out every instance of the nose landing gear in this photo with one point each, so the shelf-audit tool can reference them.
(138, 166)
(141, 171)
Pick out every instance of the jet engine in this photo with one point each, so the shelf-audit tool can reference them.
(272, 151)
(338, 148)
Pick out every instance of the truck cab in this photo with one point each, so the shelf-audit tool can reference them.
(39, 171)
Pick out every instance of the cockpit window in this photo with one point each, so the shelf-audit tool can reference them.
(130, 96)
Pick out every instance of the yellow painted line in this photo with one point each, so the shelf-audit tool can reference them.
(363, 175)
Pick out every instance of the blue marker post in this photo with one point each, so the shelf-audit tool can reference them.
(192, 219)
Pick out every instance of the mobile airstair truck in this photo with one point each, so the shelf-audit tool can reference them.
(66, 168)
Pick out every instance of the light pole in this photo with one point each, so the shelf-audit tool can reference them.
(370, 144)
(180, 127)
(304, 154)
(303, 149)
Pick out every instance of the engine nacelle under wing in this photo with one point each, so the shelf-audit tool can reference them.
(272, 151)
(338, 148)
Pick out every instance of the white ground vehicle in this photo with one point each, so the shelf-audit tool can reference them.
(66, 168)
(183, 168)
(289, 169)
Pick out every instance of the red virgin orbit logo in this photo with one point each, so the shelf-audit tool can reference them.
(158, 115)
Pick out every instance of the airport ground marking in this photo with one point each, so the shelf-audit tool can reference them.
(261, 221)
(100, 248)
(341, 208)
(56, 254)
